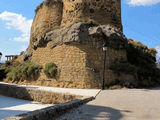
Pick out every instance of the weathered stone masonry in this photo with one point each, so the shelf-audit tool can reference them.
(62, 32)
(66, 12)
(79, 54)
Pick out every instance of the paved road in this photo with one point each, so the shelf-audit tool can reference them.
(11, 106)
(125, 104)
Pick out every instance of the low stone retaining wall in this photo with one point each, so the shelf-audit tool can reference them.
(51, 113)
(33, 94)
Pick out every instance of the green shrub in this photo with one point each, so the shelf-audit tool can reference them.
(2, 74)
(144, 59)
(4, 69)
(39, 7)
(50, 70)
(123, 67)
(24, 71)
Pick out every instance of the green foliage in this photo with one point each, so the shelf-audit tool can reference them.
(50, 69)
(144, 59)
(24, 71)
(39, 7)
(140, 54)
(123, 67)
(2, 73)
(5, 68)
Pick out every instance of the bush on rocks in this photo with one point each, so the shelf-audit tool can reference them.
(23, 71)
(144, 59)
(123, 67)
(50, 70)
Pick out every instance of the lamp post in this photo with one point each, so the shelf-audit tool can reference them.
(104, 67)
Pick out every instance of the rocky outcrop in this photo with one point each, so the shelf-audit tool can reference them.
(27, 54)
(81, 33)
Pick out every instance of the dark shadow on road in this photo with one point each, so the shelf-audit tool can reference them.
(149, 89)
(156, 88)
(92, 112)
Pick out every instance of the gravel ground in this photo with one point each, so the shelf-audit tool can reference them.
(124, 104)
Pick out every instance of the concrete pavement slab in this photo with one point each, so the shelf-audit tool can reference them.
(11, 106)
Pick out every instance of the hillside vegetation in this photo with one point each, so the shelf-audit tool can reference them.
(144, 59)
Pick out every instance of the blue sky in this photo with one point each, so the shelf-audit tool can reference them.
(140, 20)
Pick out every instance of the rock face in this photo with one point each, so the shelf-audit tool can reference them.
(71, 34)
(53, 13)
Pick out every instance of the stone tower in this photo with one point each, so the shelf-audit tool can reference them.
(71, 33)
(48, 15)
(100, 11)
(51, 14)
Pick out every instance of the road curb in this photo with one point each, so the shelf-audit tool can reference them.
(51, 113)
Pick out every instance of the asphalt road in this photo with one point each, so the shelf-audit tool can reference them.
(124, 104)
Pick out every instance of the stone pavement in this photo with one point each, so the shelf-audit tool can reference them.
(124, 104)
(11, 106)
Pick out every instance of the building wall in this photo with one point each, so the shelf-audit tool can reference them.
(79, 66)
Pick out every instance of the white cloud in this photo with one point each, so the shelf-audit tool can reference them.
(142, 2)
(18, 22)
(158, 50)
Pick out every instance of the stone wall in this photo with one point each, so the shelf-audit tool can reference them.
(47, 16)
(79, 65)
(33, 94)
(77, 51)
(100, 11)
(53, 13)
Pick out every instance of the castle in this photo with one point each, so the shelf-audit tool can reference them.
(51, 13)
(71, 33)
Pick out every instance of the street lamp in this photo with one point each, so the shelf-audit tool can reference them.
(104, 67)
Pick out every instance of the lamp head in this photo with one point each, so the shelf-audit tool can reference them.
(105, 47)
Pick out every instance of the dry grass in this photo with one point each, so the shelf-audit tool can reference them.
(46, 97)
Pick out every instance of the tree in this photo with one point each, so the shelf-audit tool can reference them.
(158, 61)
(0, 55)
